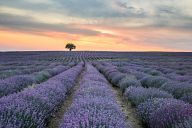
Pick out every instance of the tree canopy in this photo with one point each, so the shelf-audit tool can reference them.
(70, 46)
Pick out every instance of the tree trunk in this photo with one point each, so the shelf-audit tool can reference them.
(70, 49)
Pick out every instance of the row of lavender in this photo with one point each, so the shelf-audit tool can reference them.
(13, 65)
(12, 69)
(77, 59)
(17, 63)
(178, 71)
(8, 69)
(94, 105)
(81, 56)
(61, 56)
(156, 108)
(180, 90)
(32, 107)
(19, 82)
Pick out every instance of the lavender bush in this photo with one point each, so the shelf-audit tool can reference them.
(93, 105)
(146, 108)
(172, 115)
(17, 83)
(177, 89)
(20, 71)
(58, 69)
(127, 81)
(14, 84)
(138, 95)
(110, 72)
(119, 79)
(139, 75)
(187, 97)
(116, 77)
(40, 76)
(153, 72)
(153, 81)
(165, 113)
(25, 68)
(31, 107)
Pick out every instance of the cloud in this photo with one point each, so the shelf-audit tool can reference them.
(131, 9)
(27, 4)
(76, 8)
(166, 9)
(28, 24)
(124, 13)
(68, 17)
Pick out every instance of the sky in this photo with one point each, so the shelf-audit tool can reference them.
(96, 25)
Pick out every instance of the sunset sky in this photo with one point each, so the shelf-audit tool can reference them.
(99, 25)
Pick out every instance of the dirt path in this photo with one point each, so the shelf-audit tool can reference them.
(126, 108)
(55, 120)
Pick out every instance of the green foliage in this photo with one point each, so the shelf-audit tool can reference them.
(70, 46)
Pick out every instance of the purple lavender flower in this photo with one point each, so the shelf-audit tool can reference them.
(187, 97)
(94, 105)
(31, 107)
(165, 113)
(153, 72)
(177, 89)
(179, 78)
(14, 84)
(17, 83)
(170, 115)
(127, 81)
(116, 77)
(153, 81)
(129, 70)
(138, 95)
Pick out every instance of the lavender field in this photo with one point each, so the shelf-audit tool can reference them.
(95, 90)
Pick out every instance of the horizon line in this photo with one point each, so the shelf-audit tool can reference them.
(89, 51)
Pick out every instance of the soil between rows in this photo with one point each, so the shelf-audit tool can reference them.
(126, 108)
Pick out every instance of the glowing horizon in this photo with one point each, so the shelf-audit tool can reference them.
(116, 26)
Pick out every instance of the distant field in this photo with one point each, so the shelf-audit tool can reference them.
(95, 90)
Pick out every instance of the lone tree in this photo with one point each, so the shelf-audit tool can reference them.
(70, 46)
